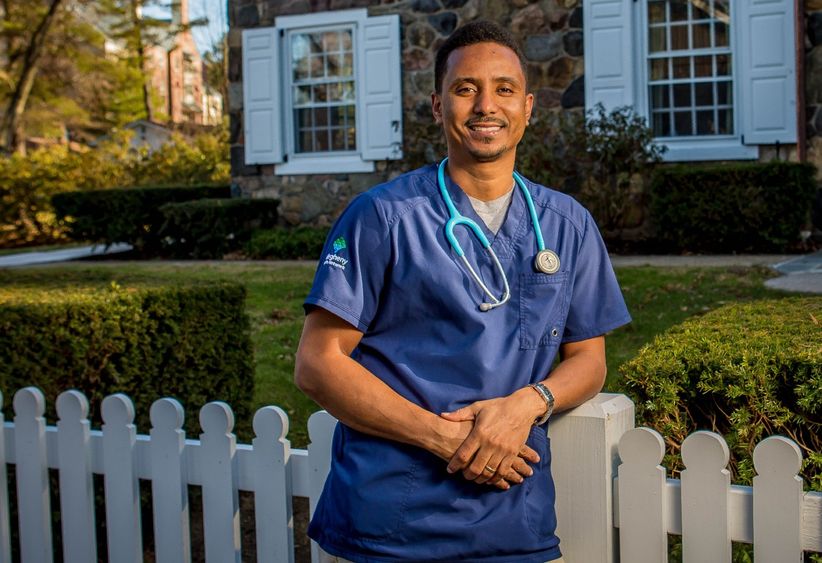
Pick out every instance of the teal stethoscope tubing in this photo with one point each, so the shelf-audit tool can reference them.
(457, 218)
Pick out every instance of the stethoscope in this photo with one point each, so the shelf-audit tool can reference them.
(546, 261)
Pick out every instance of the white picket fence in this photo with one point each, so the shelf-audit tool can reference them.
(608, 512)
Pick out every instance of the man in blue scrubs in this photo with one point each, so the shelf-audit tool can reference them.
(441, 452)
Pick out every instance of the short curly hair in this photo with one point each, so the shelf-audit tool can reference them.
(480, 31)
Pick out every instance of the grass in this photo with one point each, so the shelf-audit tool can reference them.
(657, 298)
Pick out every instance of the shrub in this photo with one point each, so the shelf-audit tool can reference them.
(209, 228)
(745, 371)
(27, 184)
(145, 339)
(602, 158)
(130, 215)
(757, 207)
(301, 243)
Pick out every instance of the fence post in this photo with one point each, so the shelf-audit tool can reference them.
(124, 529)
(584, 463)
(221, 506)
(706, 484)
(32, 476)
(76, 484)
(777, 501)
(5, 524)
(169, 489)
(321, 427)
(272, 487)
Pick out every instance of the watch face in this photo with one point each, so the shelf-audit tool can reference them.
(547, 262)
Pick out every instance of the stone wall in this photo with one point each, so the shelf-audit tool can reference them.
(550, 32)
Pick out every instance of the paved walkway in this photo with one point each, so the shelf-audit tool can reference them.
(799, 273)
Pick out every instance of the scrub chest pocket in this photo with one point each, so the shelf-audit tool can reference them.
(543, 307)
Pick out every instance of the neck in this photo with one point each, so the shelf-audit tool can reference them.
(483, 180)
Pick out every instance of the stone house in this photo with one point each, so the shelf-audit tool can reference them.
(325, 95)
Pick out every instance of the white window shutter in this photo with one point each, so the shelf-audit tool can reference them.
(380, 88)
(261, 96)
(767, 71)
(609, 53)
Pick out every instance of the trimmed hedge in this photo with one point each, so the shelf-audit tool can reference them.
(144, 339)
(732, 208)
(130, 215)
(209, 228)
(746, 371)
(301, 243)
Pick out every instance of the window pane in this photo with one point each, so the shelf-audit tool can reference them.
(704, 94)
(322, 142)
(701, 10)
(317, 66)
(682, 123)
(315, 40)
(659, 69)
(334, 92)
(303, 118)
(679, 10)
(656, 11)
(320, 93)
(302, 95)
(679, 37)
(726, 122)
(345, 40)
(662, 124)
(338, 139)
(702, 35)
(705, 123)
(300, 47)
(723, 65)
(320, 117)
(682, 67)
(722, 11)
(721, 31)
(334, 65)
(303, 141)
(331, 41)
(301, 69)
(704, 66)
(682, 95)
(348, 91)
(724, 93)
(660, 96)
(658, 41)
(347, 68)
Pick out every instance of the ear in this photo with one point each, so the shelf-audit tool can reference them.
(529, 107)
(436, 107)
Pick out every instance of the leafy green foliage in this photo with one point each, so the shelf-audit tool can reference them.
(27, 184)
(757, 207)
(209, 228)
(301, 243)
(104, 334)
(130, 215)
(746, 371)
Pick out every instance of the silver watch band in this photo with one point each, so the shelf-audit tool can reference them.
(548, 397)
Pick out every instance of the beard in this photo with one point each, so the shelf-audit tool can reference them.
(487, 154)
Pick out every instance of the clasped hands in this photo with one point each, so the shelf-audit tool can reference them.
(488, 443)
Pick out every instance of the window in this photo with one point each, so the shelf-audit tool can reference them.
(714, 78)
(322, 92)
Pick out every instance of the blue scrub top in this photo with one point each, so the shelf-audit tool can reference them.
(388, 269)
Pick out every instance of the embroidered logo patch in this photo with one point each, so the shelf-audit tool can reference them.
(334, 259)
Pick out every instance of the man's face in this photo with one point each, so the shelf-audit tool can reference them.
(483, 106)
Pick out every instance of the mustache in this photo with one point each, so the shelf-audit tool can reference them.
(485, 121)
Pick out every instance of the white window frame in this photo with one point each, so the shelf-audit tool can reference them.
(692, 148)
(267, 93)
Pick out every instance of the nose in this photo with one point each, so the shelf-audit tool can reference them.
(484, 102)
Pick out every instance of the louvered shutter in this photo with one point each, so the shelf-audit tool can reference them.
(261, 96)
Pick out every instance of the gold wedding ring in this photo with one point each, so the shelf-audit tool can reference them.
(490, 469)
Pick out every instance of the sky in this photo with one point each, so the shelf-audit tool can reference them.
(205, 36)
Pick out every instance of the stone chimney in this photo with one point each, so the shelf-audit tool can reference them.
(179, 12)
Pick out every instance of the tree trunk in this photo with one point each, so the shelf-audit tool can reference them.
(12, 132)
(139, 48)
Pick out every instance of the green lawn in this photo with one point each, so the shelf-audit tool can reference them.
(657, 298)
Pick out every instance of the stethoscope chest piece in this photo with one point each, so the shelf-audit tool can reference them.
(547, 262)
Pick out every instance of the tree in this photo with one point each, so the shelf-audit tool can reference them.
(10, 130)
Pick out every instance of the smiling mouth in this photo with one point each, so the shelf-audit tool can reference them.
(486, 127)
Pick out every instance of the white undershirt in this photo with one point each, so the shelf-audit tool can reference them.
(492, 212)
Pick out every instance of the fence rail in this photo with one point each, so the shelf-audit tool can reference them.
(597, 498)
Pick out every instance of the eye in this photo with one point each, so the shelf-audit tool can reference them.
(505, 90)
(465, 89)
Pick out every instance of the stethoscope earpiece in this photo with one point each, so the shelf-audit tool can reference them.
(546, 261)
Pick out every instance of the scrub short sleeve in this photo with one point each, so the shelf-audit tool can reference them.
(596, 304)
(353, 265)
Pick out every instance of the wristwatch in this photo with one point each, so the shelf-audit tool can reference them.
(548, 397)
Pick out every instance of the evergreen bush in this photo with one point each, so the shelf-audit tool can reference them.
(144, 338)
(746, 371)
(752, 207)
(209, 228)
(130, 215)
(300, 243)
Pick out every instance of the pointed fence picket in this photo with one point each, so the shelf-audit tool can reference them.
(776, 515)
